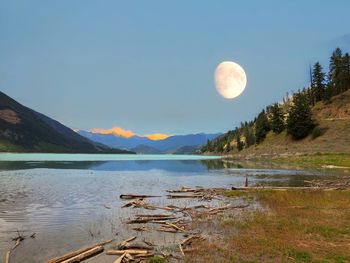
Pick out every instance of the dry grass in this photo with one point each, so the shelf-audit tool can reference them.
(333, 119)
(292, 226)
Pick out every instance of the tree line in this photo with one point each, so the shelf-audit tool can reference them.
(294, 113)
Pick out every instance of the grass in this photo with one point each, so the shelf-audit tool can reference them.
(156, 259)
(291, 226)
(316, 160)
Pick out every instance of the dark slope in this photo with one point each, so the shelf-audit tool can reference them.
(25, 130)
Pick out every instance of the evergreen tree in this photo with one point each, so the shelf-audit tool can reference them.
(277, 119)
(335, 74)
(262, 126)
(318, 83)
(299, 122)
(249, 135)
(238, 140)
(346, 65)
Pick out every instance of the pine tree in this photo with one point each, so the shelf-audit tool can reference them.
(262, 126)
(346, 65)
(318, 83)
(238, 140)
(277, 119)
(249, 135)
(335, 72)
(300, 122)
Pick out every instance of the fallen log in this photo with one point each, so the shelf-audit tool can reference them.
(84, 255)
(135, 196)
(140, 229)
(77, 252)
(126, 241)
(153, 216)
(184, 196)
(135, 246)
(175, 226)
(167, 230)
(127, 251)
(120, 259)
(188, 240)
(149, 220)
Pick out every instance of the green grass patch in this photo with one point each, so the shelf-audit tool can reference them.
(157, 259)
(316, 160)
(299, 255)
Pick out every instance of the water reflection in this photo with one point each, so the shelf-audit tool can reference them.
(130, 165)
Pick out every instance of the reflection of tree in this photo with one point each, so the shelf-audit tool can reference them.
(219, 164)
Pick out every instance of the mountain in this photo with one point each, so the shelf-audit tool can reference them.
(139, 144)
(144, 149)
(25, 130)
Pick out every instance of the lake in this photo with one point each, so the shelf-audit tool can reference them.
(72, 200)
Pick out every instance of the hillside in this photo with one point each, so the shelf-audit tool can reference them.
(333, 119)
(25, 130)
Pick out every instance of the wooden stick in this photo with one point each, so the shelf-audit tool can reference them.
(134, 196)
(77, 252)
(119, 260)
(84, 255)
(175, 226)
(8, 254)
(182, 252)
(127, 251)
(154, 215)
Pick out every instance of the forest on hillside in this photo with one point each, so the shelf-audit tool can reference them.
(293, 114)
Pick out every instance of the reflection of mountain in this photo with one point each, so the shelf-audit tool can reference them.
(174, 144)
(194, 166)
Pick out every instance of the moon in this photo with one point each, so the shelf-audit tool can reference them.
(230, 79)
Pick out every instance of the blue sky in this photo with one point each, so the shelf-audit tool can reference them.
(148, 65)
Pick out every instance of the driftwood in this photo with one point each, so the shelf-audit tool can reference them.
(134, 196)
(141, 228)
(80, 257)
(18, 240)
(125, 242)
(141, 203)
(187, 242)
(159, 216)
(8, 254)
(128, 251)
(173, 196)
(137, 245)
(77, 252)
(120, 259)
(142, 220)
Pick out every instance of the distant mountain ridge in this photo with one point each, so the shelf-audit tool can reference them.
(25, 130)
(188, 143)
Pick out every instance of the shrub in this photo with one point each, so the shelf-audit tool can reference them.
(317, 132)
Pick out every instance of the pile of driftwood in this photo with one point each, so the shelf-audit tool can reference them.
(342, 182)
(129, 251)
(198, 193)
(176, 219)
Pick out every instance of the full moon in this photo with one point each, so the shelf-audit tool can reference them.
(230, 79)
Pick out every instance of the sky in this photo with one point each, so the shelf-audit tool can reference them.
(148, 66)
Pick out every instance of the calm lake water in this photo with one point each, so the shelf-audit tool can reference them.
(72, 200)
